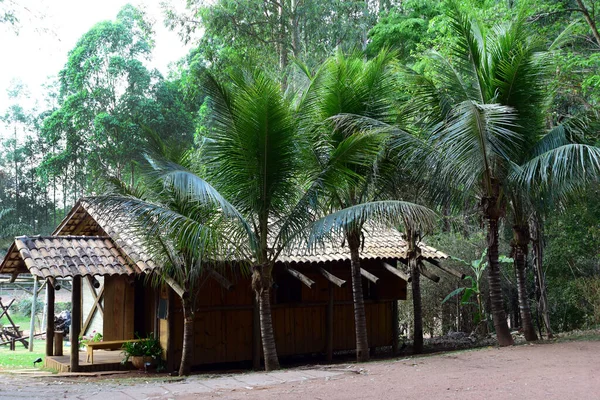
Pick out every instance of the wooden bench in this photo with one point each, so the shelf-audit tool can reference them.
(109, 344)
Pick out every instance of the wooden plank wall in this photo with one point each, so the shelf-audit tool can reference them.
(118, 308)
(223, 324)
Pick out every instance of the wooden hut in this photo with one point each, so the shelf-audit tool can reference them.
(312, 305)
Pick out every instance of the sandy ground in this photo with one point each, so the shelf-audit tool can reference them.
(540, 371)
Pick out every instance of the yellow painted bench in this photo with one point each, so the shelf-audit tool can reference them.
(108, 344)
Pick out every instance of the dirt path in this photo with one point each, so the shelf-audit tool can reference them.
(549, 371)
(541, 371)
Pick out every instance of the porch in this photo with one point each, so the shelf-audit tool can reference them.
(104, 360)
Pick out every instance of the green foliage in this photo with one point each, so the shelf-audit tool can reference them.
(404, 28)
(23, 307)
(147, 347)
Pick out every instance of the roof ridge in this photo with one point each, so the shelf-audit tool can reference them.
(62, 237)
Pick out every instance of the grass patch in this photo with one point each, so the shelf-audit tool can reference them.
(23, 322)
(21, 357)
(573, 336)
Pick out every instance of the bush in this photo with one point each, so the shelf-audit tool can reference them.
(62, 306)
(23, 307)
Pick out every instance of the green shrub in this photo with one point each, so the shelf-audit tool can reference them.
(62, 306)
(22, 307)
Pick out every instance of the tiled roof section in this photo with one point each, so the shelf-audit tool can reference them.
(379, 244)
(85, 219)
(68, 256)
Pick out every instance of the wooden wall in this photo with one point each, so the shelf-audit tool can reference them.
(119, 296)
(223, 324)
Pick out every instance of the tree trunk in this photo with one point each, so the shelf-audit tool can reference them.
(502, 331)
(590, 21)
(187, 352)
(261, 283)
(417, 308)
(360, 319)
(538, 257)
(414, 265)
(520, 249)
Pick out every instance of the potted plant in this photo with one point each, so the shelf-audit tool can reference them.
(143, 353)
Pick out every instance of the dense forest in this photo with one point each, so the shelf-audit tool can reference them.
(484, 111)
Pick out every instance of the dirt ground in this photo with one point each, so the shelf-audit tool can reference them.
(540, 371)
(569, 370)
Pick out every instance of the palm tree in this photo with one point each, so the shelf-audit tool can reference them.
(181, 222)
(485, 114)
(254, 155)
(345, 161)
(473, 138)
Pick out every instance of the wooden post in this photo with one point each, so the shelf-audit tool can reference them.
(49, 319)
(75, 322)
(33, 310)
(58, 343)
(255, 334)
(172, 364)
(395, 327)
(329, 325)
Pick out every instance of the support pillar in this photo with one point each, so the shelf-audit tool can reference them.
(395, 327)
(75, 322)
(33, 311)
(329, 325)
(49, 319)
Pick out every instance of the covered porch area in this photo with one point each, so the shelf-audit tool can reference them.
(94, 265)
(103, 361)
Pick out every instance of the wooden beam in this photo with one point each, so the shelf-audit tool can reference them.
(429, 275)
(369, 275)
(55, 283)
(395, 327)
(95, 306)
(13, 277)
(49, 320)
(396, 272)
(33, 311)
(445, 268)
(174, 285)
(301, 277)
(329, 324)
(220, 278)
(75, 323)
(330, 277)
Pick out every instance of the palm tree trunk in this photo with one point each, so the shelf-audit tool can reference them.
(261, 283)
(360, 318)
(266, 331)
(187, 351)
(536, 230)
(502, 331)
(417, 308)
(520, 250)
(413, 254)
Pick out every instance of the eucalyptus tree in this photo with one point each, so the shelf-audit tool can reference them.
(346, 159)
(106, 93)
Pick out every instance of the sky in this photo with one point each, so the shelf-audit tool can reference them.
(40, 48)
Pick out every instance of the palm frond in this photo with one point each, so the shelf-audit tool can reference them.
(562, 169)
(475, 141)
(388, 213)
